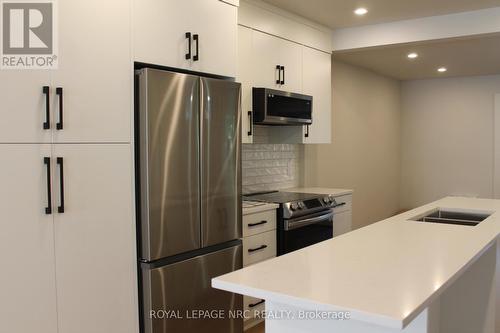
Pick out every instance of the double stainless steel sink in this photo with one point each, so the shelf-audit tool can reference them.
(448, 216)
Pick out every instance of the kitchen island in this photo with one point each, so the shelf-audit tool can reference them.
(397, 275)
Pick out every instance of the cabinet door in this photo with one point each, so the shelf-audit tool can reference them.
(160, 28)
(317, 83)
(95, 239)
(244, 76)
(159, 33)
(24, 106)
(216, 24)
(27, 282)
(95, 71)
(342, 223)
(270, 51)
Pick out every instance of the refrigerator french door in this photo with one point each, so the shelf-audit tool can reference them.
(188, 171)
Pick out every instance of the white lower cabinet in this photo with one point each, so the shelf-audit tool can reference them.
(27, 281)
(342, 218)
(259, 244)
(95, 240)
(342, 223)
(71, 267)
(259, 247)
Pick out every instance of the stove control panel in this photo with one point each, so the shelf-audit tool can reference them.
(298, 208)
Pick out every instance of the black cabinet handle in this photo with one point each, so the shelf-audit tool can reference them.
(256, 224)
(253, 305)
(46, 92)
(250, 127)
(188, 37)
(278, 68)
(196, 38)
(60, 161)
(307, 131)
(262, 247)
(283, 79)
(59, 92)
(48, 209)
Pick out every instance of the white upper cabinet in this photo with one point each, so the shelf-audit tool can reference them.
(301, 70)
(244, 76)
(188, 34)
(95, 72)
(27, 240)
(316, 81)
(269, 52)
(24, 106)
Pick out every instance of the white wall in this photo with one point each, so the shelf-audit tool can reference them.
(447, 138)
(365, 151)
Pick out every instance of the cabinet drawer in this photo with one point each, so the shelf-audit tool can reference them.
(259, 247)
(345, 202)
(258, 223)
(252, 306)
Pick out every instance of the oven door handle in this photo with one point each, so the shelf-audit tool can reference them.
(290, 225)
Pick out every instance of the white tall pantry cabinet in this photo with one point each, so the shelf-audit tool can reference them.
(67, 206)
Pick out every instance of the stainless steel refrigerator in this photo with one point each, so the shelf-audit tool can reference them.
(188, 182)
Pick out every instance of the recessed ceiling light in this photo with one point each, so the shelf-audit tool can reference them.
(360, 11)
(412, 55)
(442, 69)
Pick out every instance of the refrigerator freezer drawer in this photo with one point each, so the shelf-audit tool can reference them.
(184, 286)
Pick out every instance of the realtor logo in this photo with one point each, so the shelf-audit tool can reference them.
(28, 34)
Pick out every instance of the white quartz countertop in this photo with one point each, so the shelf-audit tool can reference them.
(320, 190)
(383, 274)
(252, 207)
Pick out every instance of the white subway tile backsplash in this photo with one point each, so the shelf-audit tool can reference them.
(269, 166)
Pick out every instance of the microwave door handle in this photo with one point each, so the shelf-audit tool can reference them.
(290, 225)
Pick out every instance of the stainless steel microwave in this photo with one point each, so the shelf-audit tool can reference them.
(275, 107)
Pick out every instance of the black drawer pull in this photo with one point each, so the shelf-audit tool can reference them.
(283, 79)
(257, 223)
(196, 39)
(46, 92)
(307, 131)
(60, 161)
(59, 92)
(48, 209)
(278, 68)
(253, 305)
(188, 37)
(250, 127)
(262, 247)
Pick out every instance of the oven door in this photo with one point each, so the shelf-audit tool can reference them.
(306, 230)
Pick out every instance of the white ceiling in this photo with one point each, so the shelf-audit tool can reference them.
(469, 56)
(339, 13)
